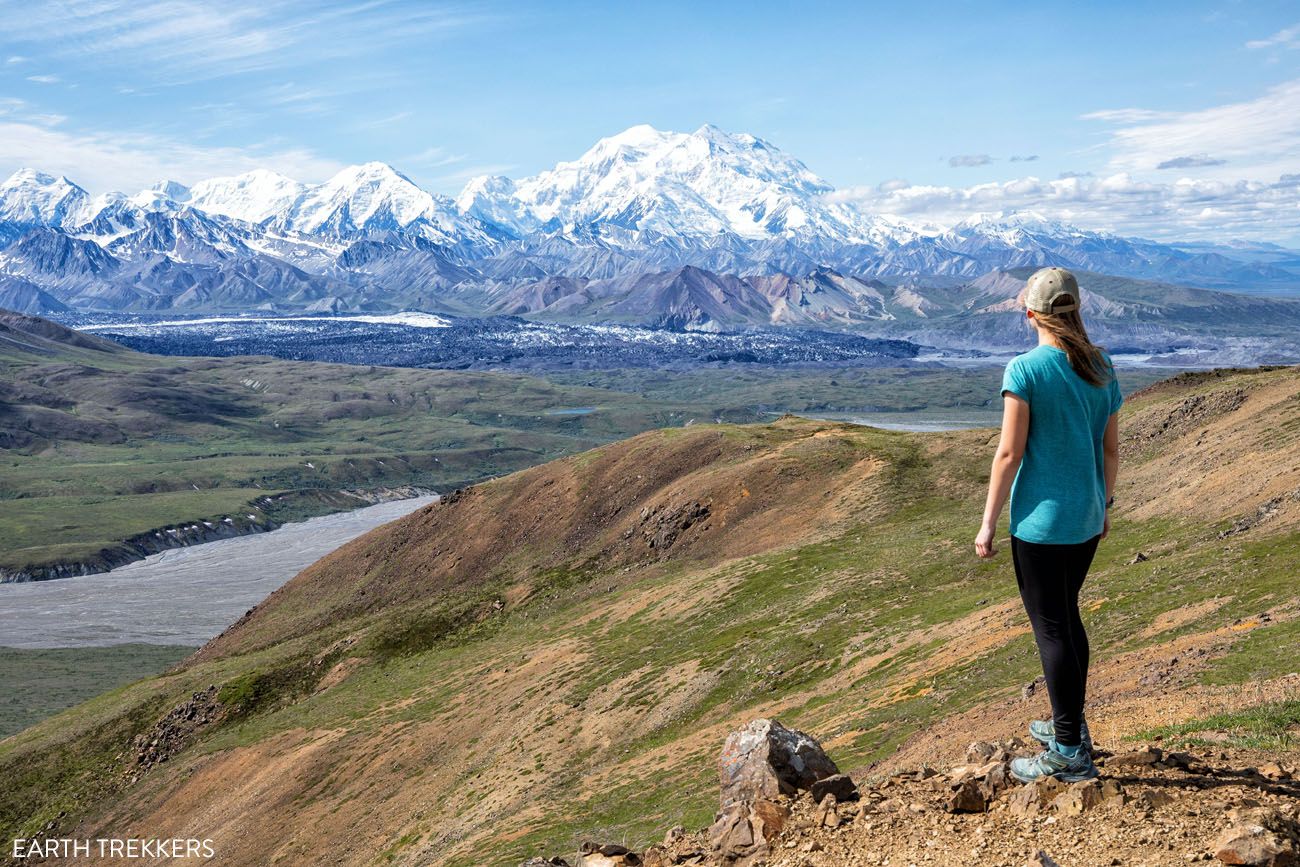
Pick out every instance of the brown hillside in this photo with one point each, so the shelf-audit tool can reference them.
(702, 494)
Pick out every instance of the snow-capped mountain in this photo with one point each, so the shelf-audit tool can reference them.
(573, 240)
(674, 184)
(253, 197)
(32, 198)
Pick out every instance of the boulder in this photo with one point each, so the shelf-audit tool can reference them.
(607, 855)
(841, 786)
(743, 832)
(765, 759)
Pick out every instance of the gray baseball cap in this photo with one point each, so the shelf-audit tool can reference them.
(1052, 290)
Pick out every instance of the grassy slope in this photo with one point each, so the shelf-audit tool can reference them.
(832, 586)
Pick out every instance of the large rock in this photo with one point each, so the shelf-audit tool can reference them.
(763, 765)
(744, 832)
(765, 759)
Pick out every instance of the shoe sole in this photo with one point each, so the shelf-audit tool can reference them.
(1064, 778)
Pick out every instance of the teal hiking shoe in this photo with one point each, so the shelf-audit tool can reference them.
(1050, 763)
(1044, 731)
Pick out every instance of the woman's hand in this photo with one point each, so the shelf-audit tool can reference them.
(984, 542)
(1105, 525)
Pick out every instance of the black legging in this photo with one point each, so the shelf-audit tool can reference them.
(1050, 577)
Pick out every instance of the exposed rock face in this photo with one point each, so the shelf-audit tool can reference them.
(170, 735)
(762, 765)
(662, 526)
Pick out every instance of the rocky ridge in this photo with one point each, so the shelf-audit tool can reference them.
(784, 803)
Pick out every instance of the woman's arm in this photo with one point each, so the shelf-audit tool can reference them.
(1011, 449)
(1110, 453)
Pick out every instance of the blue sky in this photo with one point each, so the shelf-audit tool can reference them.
(1167, 112)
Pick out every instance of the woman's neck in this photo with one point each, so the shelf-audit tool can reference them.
(1046, 339)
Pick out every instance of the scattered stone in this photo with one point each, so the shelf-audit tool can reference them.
(968, 797)
(840, 786)
(827, 815)
(674, 834)
(1030, 688)
(1041, 859)
(1257, 836)
(1153, 799)
(1274, 771)
(607, 855)
(1081, 797)
(1032, 798)
(1139, 557)
(1138, 758)
(545, 862)
(980, 752)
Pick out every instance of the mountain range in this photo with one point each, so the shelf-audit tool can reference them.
(635, 207)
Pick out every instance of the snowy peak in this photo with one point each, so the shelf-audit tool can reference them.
(675, 184)
(253, 197)
(32, 197)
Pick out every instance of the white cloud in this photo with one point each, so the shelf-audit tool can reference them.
(1258, 138)
(110, 160)
(967, 161)
(15, 58)
(44, 79)
(1288, 37)
(1187, 209)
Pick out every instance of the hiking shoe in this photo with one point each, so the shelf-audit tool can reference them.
(1050, 763)
(1044, 731)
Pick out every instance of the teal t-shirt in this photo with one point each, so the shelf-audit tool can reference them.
(1059, 494)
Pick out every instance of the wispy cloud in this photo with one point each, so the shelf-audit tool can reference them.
(1287, 37)
(1257, 138)
(116, 160)
(968, 161)
(187, 40)
(15, 58)
(1025, 159)
(44, 79)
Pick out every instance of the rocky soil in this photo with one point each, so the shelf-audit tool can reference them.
(792, 808)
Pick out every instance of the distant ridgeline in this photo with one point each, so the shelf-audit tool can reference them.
(682, 231)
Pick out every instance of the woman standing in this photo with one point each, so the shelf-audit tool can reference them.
(1057, 457)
